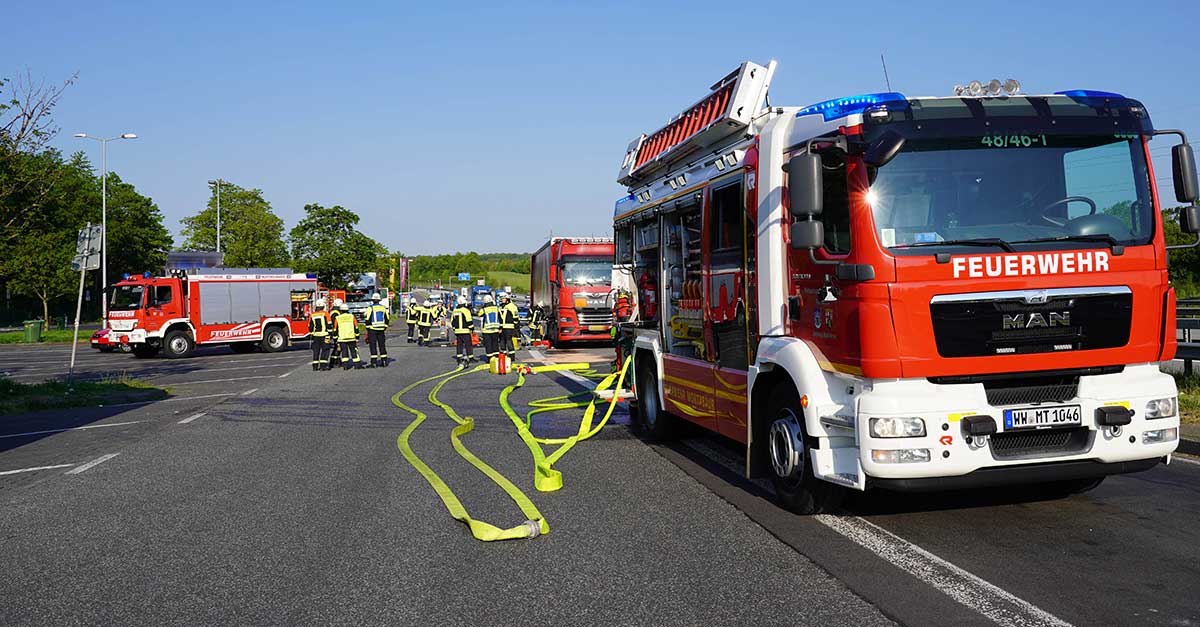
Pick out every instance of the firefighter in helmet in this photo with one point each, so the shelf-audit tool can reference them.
(463, 324)
(509, 319)
(411, 314)
(378, 318)
(347, 336)
(318, 334)
(490, 315)
(536, 318)
(425, 322)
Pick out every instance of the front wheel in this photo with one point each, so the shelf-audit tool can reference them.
(178, 344)
(655, 422)
(790, 458)
(274, 340)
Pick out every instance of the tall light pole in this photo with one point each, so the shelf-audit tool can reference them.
(104, 213)
(218, 183)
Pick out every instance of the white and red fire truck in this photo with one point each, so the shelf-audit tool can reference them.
(905, 293)
(570, 280)
(244, 308)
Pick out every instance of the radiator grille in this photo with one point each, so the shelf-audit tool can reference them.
(1041, 443)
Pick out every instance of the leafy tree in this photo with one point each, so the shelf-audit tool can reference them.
(1183, 266)
(28, 166)
(251, 234)
(137, 239)
(41, 267)
(327, 243)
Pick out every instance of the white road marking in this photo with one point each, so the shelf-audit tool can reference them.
(961, 585)
(172, 383)
(91, 464)
(111, 424)
(188, 398)
(19, 470)
(190, 418)
(284, 375)
(249, 392)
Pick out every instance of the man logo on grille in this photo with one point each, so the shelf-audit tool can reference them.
(1037, 320)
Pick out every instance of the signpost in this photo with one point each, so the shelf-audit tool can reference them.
(87, 257)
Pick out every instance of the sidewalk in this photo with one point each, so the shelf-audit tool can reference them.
(1189, 439)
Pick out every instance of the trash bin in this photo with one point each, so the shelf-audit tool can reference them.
(33, 331)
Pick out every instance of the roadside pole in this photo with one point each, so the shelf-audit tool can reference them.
(86, 258)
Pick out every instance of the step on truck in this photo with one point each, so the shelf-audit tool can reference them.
(570, 278)
(882, 291)
(244, 308)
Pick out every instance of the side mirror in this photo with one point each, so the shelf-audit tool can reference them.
(883, 149)
(1189, 219)
(1183, 171)
(804, 185)
(808, 234)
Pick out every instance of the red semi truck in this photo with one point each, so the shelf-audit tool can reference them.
(571, 281)
(244, 308)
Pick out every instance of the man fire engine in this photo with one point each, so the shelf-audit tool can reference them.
(906, 293)
(243, 308)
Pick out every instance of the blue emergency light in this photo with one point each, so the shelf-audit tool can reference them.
(841, 107)
(1087, 93)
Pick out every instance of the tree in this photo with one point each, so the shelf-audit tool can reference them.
(41, 267)
(327, 243)
(28, 166)
(137, 240)
(251, 234)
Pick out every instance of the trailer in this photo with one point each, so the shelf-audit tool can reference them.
(885, 292)
(571, 281)
(244, 308)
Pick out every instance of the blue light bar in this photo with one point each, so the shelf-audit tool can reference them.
(621, 201)
(841, 107)
(125, 276)
(1087, 93)
(145, 275)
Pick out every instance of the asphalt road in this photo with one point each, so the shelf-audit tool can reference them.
(287, 502)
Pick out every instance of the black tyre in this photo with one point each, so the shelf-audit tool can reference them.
(274, 340)
(655, 422)
(790, 460)
(143, 351)
(243, 347)
(178, 344)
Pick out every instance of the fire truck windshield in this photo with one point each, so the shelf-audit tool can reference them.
(590, 272)
(1016, 188)
(126, 297)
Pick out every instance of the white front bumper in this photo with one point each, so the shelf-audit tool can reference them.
(943, 406)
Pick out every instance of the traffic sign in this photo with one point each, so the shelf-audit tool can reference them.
(86, 262)
(88, 241)
(464, 276)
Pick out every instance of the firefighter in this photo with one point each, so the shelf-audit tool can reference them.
(490, 317)
(411, 315)
(318, 334)
(335, 357)
(378, 319)
(508, 325)
(347, 337)
(424, 322)
(463, 324)
(536, 318)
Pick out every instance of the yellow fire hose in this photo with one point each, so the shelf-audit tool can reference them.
(546, 478)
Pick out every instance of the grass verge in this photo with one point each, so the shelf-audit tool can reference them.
(1189, 398)
(18, 398)
(50, 336)
(498, 279)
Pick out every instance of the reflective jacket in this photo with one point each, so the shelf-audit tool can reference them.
(491, 319)
(378, 317)
(425, 317)
(347, 327)
(509, 316)
(318, 324)
(411, 315)
(461, 320)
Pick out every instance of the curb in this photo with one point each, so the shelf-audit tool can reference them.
(1190, 447)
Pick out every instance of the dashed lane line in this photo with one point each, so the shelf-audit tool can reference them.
(91, 464)
(249, 392)
(20, 470)
(173, 383)
(111, 424)
(191, 418)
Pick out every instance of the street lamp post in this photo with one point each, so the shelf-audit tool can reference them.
(104, 213)
(217, 183)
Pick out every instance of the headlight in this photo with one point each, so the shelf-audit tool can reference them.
(1162, 408)
(900, 456)
(897, 427)
(1159, 435)
(564, 319)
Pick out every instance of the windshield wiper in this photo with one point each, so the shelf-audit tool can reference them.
(978, 241)
(1113, 244)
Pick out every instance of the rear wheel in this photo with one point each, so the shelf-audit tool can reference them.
(274, 340)
(790, 458)
(178, 344)
(655, 422)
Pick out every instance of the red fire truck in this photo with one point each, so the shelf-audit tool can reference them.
(570, 280)
(245, 308)
(906, 293)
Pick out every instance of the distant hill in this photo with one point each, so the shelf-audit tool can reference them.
(498, 268)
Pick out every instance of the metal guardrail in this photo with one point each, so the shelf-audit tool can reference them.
(1187, 320)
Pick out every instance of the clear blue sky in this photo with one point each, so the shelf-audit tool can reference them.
(486, 127)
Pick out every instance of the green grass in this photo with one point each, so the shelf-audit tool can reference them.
(18, 398)
(1189, 398)
(519, 282)
(51, 336)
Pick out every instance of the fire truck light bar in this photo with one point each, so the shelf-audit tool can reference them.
(841, 107)
(1087, 93)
